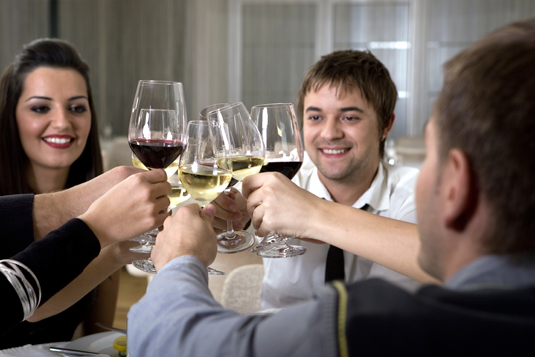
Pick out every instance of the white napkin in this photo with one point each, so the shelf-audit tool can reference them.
(33, 350)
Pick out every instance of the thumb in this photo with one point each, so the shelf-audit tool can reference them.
(208, 213)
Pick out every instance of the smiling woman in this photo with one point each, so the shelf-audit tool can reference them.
(45, 98)
(49, 142)
(54, 121)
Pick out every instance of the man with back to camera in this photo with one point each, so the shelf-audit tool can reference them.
(476, 232)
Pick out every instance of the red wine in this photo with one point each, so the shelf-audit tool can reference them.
(287, 168)
(156, 153)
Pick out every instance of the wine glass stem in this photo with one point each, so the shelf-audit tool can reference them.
(230, 234)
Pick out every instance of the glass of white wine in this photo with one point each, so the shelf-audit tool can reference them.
(205, 167)
(247, 156)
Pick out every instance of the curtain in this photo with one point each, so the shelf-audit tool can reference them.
(255, 51)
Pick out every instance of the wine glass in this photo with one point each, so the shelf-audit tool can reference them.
(203, 114)
(247, 156)
(156, 134)
(284, 153)
(205, 167)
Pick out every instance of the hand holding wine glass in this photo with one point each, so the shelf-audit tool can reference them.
(247, 156)
(205, 167)
(284, 153)
(156, 133)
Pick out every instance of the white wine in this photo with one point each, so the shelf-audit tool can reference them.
(204, 183)
(177, 195)
(243, 166)
(169, 170)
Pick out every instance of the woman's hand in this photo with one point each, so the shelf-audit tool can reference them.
(132, 207)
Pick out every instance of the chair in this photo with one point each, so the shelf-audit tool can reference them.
(241, 290)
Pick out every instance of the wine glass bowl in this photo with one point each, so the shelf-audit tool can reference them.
(156, 139)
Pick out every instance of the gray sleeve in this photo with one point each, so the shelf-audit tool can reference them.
(179, 316)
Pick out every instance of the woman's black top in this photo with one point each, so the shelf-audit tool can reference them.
(56, 260)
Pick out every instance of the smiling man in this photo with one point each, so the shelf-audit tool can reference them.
(346, 110)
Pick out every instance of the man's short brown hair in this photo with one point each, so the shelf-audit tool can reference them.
(348, 70)
(487, 110)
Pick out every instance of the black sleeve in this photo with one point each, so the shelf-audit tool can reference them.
(16, 224)
(55, 260)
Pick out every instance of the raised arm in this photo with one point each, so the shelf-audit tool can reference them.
(128, 209)
(278, 205)
(51, 210)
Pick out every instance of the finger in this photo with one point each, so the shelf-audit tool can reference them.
(219, 223)
(155, 175)
(208, 213)
(225, 214)
(226, 202)
(254, 200)
(161, 204)
(257, 216)
(160, 189)
(252, 183)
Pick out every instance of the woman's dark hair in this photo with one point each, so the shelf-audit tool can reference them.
(52, 53)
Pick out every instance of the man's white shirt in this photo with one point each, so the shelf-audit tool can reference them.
(291, 280)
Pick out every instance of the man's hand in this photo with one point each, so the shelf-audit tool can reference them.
(132, 207)
(278, 205)
(188, 232)
(231, 207)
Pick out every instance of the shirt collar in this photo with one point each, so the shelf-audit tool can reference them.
(494, 271)
(376, 196)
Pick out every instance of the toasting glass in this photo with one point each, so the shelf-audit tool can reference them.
(284, 153)
(247, 155)
(156, 133)
(205, 167)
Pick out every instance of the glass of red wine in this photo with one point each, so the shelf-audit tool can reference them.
(247, 154)
(157, 135)
(279, 129)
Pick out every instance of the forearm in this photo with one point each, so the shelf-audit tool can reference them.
(94, 274)
(51, 210)
(388, 242)
(180, 310)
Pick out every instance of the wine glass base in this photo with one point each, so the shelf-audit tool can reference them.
(213, 271)
(243, 240)
(281, 251)
(141, 249)
(267, 243)
(144, 265)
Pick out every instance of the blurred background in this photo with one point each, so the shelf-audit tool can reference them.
(254, 51)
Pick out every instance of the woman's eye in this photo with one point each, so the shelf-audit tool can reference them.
(78, 109)
(43, 109)
(314, 117)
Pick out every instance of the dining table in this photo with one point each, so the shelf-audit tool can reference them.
(98, 344)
